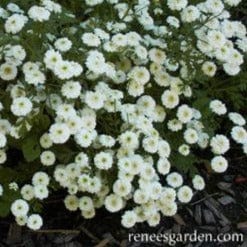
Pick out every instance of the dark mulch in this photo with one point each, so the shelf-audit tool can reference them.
(222, 209)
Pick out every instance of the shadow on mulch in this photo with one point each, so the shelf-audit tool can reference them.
(223, 211)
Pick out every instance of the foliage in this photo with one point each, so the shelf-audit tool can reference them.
(115, 108)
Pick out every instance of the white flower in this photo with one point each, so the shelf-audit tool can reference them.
(170, 99)
(96, 62)
(154, 219)
(95, 100)
(191, 136)
(19, 208)
(107, 140)
(21, 220)
(232, 2)
(21, 106)
(163, 166)
(63, 44)
(84, 138)
(113, 203)
(38, 13)
(35, 77)
(16, 54)
(34, 222)
(184, 149)
(133, 38)
(71, 202)
(140, 75)
(185, 194)
(174, 179)
(45, 141)
(74, 124)
(103, 160)
(119, 39)
(184, 113)
(237, 118)
(174, 125)
(40, 178)
(150, 144)
(86, 203)
(239, 134)
(129, 140)
(164, 149)
(219, 164)
(177, 5)
(15, 23)
(3, 142)
(65, 111)
(95, 185)
(173, 21)
(3, 156)
(169, 209)
(146, 104)
(214, 6)
(63, 70)
(141, 196)
(1, 190)
(135, 88)
(41, 191)
(216, 39)
(77, 69)
(147, 171)
(198, 182)
(73, 170)
(218, 107)
(93, 2)
(91, 39)
(156, 55)
(88, 214)
(129, 219)
(27, 192)
(8, 71)
(59, 133)
(122, 187)
(52, 6)
(168, 195)
(47, 158)
(13, 186)
(219, 144)
(82, 159)
(209, 68)
(71, 89)
(51, 58)
(203, 140)
(190, 13)
(245, 148)
(231, 69)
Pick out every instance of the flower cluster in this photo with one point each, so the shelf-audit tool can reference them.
(114, 96)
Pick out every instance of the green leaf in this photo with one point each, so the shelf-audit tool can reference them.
(185, 164)
(6, 200)
(63, 154)
(37, 207)
(7, 175)
(31, 148)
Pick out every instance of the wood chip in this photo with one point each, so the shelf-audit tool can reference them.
(103, 243)
(208, 216)
(213, 206)
(179, 219)
(242, 226)
(14, 234)
(198, 214)
(225, 200)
